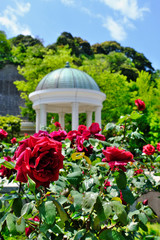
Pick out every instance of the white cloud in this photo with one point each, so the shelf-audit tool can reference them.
(116, 29)
(9, 18)
(68, 2)
(128, 8)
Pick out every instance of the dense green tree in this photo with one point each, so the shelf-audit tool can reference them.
(27, 41)
(38, 62)
(77, 44)
(5, 49)
(114, 85)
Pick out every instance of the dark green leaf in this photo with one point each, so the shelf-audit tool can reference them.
(47, 211)
(27, 209)
(74, 177)
(111, 235)
(120, 212)
(77, 199)
(61, 211)
(143, 218)
(121, 180)
(17, 206)
(128, 196)
(80, 234)
(143, 226)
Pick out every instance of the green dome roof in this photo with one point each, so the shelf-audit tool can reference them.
(67, 78)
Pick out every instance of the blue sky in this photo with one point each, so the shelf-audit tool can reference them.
(132, 23)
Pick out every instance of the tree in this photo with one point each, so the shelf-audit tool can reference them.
(5, 49)
(39, 61)
(27, 41)
(114, 85)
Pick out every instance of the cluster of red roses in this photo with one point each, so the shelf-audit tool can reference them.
(150, 149)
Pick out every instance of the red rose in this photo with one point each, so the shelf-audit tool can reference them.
(148, 149)
(140, 104)
(41, 133)
(57, 124)
(106, 184)
(82, 128)
(116, 157)
(139, 171)
(94, 128)
(58, 135)
(72, 135)
(39, 158)
(13, 140)
(6, 172)
(158, 147)
(30, 229)
(3, 134)
(100, 136)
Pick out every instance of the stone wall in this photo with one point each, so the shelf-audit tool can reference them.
(9, 96)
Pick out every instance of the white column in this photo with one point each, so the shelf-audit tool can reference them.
(43, 116)
(89, 119)
(75, 116)
(61, 120)
(37, 120)
(98, 115)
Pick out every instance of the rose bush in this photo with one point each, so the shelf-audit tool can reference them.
(77, 185)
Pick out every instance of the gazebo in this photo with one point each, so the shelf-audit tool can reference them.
(67, 90)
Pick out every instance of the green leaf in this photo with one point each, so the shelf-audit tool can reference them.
(90, 236)
(143, 226)
(77, 199)
(7, 164)
(121, 180)
(99, 209)
(156, 174)
(111, 235)
(61, 211)
(32, 185)
(2, 220)
(88, 183)
(120, 212)
(47, 211)
(94, 142)
(107, 210)
(9, 197)
(74, 177)
(128, 196)
(20, 225)
(148, 212)
(17, 206)
(88, 201)
(157, 158)
(79, 234)
(135, 115)
(27, 209)
(133, 226)
(143, 218)
(11, 222)
(42, 236)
